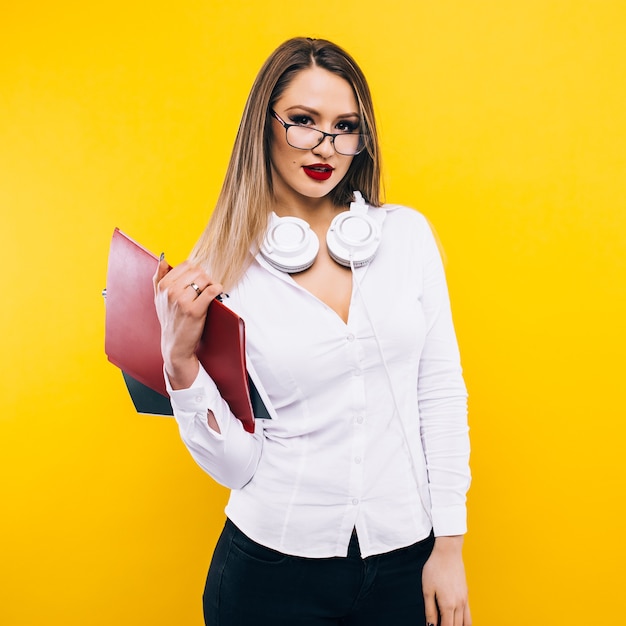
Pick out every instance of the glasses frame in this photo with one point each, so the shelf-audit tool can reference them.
(323, 136)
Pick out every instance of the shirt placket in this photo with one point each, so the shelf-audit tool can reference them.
(356, 451)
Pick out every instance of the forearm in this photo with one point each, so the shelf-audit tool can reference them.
(230, 457)
(445, 441)
(181, 373)
(213, 436)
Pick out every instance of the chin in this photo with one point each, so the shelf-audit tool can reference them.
(317, 190)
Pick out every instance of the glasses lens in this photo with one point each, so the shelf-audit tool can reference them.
(349, 144)
(303, 137)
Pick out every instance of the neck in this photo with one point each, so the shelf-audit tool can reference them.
(313, 210)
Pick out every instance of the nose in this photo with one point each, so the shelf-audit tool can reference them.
(326, 148)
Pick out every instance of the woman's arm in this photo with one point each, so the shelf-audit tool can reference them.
(444, 431)
(442, 398)
(214, 437)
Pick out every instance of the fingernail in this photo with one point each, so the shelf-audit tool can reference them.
(162, 256)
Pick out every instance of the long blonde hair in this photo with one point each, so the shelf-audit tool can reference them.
(240, 217)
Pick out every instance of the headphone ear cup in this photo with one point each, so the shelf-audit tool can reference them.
(289, 244)
(353, 238)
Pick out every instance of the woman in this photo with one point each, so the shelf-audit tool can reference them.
(349, 506)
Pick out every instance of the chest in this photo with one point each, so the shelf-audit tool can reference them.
(329, 282)
(302, 337)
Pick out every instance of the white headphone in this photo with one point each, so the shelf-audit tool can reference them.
(291, 246)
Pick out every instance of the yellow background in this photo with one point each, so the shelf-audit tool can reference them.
(503, 121)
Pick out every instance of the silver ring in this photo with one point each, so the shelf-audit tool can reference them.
(195, 288)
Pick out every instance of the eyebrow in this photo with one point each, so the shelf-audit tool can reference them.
(303, 107)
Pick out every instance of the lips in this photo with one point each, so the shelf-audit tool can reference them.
(318, 171)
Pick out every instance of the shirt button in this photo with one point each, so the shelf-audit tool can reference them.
(359, 419)
(350, 337)
(355, 501)
(198, 399)
(357, 459)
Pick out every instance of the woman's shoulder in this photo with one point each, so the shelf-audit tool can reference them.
(401, 217)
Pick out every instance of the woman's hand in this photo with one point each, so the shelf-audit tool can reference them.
(444, 585)
(182, 296)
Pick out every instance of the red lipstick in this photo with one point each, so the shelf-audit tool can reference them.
(318, 171)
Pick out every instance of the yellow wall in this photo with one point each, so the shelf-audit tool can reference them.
(502, 120)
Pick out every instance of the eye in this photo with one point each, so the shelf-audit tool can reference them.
(347, 126)
(301, 120)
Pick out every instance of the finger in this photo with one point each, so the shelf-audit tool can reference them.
(447, 617)
(205, 291)
(467, 615)
(459, 614)
(180, 277)
(180, 271)
(162, 269)
(193, 285)
(200, 282)
(432, 614)
(187, 284)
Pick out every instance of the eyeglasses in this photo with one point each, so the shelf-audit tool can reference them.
(307, 138)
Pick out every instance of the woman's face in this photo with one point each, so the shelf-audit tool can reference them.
(319, 99)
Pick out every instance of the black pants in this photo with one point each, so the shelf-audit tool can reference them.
(249, 584)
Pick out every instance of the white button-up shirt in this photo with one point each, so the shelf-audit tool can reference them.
(370, 428)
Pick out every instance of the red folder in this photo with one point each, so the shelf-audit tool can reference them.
(133, 331)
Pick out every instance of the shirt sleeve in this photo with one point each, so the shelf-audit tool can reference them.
(442, 402)
(230, 456)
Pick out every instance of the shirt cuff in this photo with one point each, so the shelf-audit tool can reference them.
(449, 521)
(201, 396)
